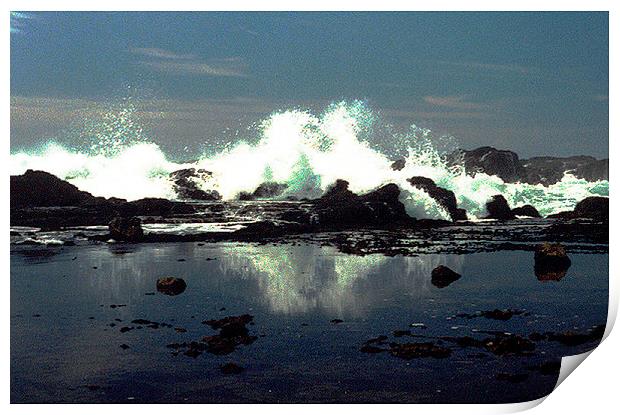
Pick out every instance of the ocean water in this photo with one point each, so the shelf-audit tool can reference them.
(68, 305)
(308, 152)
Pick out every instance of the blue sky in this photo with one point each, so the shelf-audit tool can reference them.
(536, 83)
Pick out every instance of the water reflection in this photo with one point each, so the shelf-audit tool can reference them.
(295, 280)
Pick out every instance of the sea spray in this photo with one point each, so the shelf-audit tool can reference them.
(302, 150)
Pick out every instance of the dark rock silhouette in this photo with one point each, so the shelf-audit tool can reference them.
(593, 207)
(339, 207)
(37, 188)
(264, 191)
(443, 276)
(526, 210)
(551, 262)
(184, 183)
(544, 170)
(126, 229)
(398, 165)
(497, 208)
(171, 285)
(444, 197)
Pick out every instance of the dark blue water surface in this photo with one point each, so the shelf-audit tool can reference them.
(63, 348)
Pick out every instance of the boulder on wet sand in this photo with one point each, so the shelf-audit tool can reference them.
(185, 183)
(443, 276)
(526, 210)
(497, 208)
(551, 262)
(445, 198)
(171, 285)
(126, 229)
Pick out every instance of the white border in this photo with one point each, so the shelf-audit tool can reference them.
(594, 388)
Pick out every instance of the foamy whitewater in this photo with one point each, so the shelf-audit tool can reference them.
(306, 152)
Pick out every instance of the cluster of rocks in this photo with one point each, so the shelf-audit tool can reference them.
(538, 170)
(186, 184)
(232, 333)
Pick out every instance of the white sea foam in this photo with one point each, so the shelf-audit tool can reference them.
(308, 153)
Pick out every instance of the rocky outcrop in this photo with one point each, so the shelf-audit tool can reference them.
(126, 229)
(41, 189)
(171, 285)
(551, 262)
(526, 210)
(594, 207)
(549, 170)
(497, 208)
(341, 208)
(185, 183)
(443, 276)
(152, 206)
(537, 170)
(445, 198)
(502, 163)
(264, 191)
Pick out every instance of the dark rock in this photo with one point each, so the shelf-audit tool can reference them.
(231, 326)
(594, 207)
(171, 285)
(410, 351)
(124, 346)
(401, 333)
(443, 276)
(269, 189)
(551, 262)
(37, 188)
(186, 186)
(550, 170)
(341, 208)
(151, 206)
(231, 369)
(502, 163)
(336, 321)
(497, 208)
(126, 229)
(526, 210)
(398, 165)
(445, 198)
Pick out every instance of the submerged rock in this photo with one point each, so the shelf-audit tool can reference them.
(443, 276)
(171, 285)
(526, 210)
(445, 198)
(126, 229)
(551, 262)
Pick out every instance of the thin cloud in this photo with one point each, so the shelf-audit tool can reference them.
(454, 102)
(492, 67)
(173, 63)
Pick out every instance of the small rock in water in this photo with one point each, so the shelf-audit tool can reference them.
(443, 276)
(551, 262)
(124, 346)
(171, 285)
(336, 321)
(231, 369)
